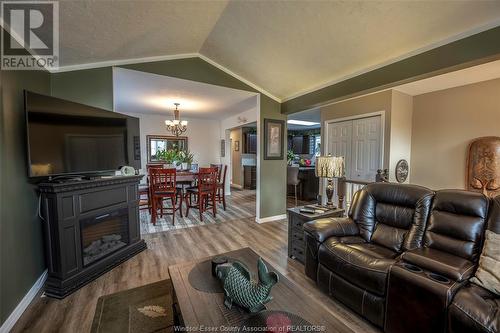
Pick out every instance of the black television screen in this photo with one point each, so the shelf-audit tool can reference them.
(71, 138)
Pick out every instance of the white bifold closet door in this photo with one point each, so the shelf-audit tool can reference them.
(359, 141)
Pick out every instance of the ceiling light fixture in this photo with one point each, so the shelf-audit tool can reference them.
(301, 122)
(176, 126)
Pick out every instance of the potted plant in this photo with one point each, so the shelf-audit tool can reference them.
(290, 156)
(186, 158)
(168, 156)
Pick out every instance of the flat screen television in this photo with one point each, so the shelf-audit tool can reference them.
(67, 138)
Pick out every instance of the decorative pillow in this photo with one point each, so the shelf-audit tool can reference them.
(488, 273)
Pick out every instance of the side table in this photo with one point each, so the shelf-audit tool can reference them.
(296, 244)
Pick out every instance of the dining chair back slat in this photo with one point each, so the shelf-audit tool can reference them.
(163, 180)
(219, 170)
(163, 186)
(207, 179)
(204, 192)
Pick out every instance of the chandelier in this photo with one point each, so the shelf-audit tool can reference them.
(176, 126)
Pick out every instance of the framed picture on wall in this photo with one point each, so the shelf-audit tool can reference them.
(274, 139)
(222, 148)
(236, 146)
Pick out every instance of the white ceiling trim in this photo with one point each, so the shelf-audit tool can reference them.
(122, 62)
(112, 63)
(429, 47)
(224, 69)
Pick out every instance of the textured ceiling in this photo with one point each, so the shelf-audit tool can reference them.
(285, 47)
(95, 31)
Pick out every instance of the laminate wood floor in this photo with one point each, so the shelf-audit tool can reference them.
(75, 312)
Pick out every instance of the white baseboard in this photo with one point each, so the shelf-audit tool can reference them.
(21, 307)
(270, 218)
(237, 186)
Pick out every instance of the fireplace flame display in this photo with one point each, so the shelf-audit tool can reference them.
(102, 247)
(103, 235)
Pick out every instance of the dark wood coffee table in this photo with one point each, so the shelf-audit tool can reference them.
(200, 310)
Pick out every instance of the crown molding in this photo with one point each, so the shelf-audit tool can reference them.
(429, 47)
(111, 63)
(130, 61)
(236, 76)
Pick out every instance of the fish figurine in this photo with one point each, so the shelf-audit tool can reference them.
(241, 289)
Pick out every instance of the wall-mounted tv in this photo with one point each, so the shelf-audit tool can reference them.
(67, 138)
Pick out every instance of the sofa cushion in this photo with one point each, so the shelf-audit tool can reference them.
(457, 222)
(488, 272)
(365, 265)
(442, 263)
(392, 215)
(473, 310)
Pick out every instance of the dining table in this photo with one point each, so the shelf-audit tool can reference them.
(186, 175)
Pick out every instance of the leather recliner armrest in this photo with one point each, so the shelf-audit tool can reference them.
(439, 262)
(322, 229)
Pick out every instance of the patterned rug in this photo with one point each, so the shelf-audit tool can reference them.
(239, 205)
(145, 309)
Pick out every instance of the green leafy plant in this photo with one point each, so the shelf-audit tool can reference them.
(169, 156)
(189, 157)
(290, 156)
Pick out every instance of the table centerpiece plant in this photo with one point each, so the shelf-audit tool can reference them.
(185, 158)
(169, 156)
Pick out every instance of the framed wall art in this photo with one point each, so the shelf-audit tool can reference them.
(274, 139)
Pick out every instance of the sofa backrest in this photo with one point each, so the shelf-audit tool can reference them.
(494, 215)
(392, 215)
(456, 223)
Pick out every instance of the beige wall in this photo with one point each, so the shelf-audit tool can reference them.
(444, 122)
(203, 137)
(367, 104)
(401, 128)
(237, 169)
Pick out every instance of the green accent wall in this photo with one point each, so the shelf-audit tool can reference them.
(476, 49)
(21, 241)
(95, 87)
(91, 86)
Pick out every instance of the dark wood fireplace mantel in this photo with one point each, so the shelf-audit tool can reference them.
(90, 226)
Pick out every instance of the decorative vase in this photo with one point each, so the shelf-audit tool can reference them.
(184, 166)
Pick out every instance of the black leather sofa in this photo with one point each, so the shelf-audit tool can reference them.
(391, 225)
(475, 309)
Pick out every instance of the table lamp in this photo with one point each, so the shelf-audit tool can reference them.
(329, 167)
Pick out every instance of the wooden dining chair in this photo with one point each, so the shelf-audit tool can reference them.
(204, 192)
(163, 186)
(148, 184)
(220, 195)
(144, 202)
(219, 170)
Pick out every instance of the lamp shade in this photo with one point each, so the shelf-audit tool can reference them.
(329, 166)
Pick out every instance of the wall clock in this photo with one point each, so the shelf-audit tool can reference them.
(402, 171)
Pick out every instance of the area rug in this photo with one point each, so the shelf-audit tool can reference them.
(144, 309)
(232, 212)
